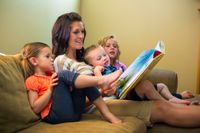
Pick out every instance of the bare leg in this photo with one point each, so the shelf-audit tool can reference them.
(105, 112)
(164, 91)
(175, 114)
(179, 115)
(106, 81)
(146, 88)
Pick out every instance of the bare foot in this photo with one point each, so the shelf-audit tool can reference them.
(111, 118)
(107, 81)
(187, 94)
(179, 101)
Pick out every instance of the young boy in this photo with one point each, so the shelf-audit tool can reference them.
(96, 56)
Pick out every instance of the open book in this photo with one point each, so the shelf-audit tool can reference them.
(140, 67)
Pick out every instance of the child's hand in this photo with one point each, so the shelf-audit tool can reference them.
(99, 68)
(53, 81)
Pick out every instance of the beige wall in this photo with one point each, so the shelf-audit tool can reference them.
(23, 21)
(138, 24)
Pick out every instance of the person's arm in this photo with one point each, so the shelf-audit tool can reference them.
(97, 72)
(109, 92)
(38, 104)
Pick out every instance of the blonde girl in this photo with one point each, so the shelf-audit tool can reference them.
(110, 44)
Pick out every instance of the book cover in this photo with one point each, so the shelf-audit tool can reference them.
(140, 67)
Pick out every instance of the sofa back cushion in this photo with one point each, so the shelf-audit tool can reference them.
(15, 111)
(167, 77)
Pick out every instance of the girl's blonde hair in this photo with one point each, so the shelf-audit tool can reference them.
(31, 50)
(103, 41)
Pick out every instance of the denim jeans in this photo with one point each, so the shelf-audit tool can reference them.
(68, 103)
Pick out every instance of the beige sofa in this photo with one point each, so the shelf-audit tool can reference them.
(17, 116)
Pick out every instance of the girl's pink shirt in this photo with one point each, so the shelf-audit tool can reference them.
(120, 65)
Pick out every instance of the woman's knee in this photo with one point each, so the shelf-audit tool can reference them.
(67, 77)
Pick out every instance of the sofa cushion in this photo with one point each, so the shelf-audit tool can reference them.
(163, 76)
(90, 124)
(15, 111)
(164, 128)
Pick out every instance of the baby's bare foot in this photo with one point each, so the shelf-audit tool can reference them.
(108, 80)
(179, 101)
(111, 118)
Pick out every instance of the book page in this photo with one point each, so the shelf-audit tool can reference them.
(141, 65)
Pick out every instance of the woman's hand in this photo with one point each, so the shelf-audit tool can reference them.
(53, 81)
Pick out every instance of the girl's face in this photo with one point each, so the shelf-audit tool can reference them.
(76, 35)
(44, 61)
(111, 48)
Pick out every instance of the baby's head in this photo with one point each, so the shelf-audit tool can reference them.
(95, 55)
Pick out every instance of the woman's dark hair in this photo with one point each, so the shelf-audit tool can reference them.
(61, 34)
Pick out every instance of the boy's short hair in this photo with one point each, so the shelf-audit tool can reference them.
(92, 47)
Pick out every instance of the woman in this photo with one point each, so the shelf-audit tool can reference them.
(68, 36)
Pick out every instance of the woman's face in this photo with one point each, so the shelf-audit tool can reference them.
(111, 48)
(76, 35)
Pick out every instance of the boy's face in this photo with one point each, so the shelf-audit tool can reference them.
(99, 57)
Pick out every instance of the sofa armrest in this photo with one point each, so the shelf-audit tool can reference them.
(167, 77)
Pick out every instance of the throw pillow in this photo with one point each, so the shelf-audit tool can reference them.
(15, 111)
